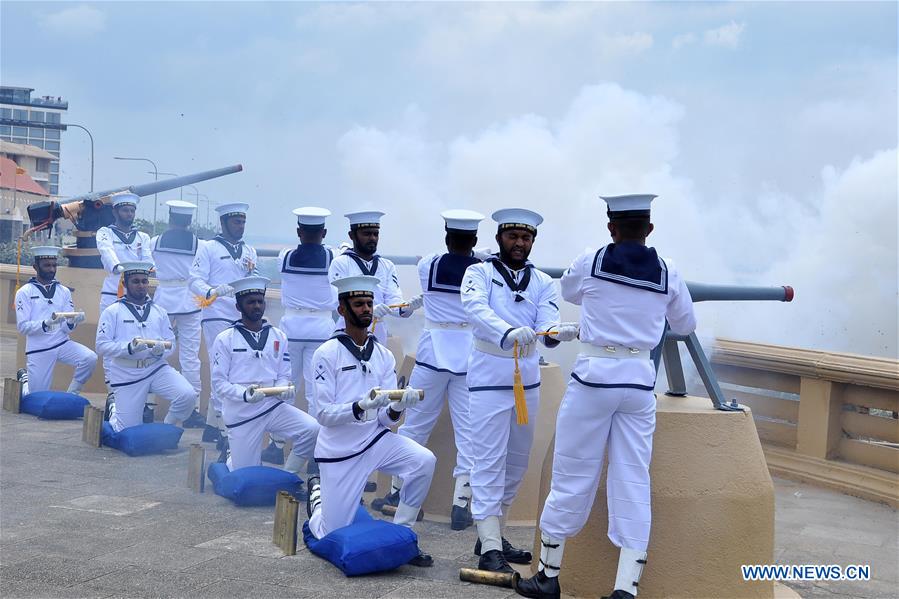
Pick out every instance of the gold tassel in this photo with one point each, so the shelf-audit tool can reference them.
(120, 292)
(521, 404)
(203, 302)
(374, 321)
(18, 265)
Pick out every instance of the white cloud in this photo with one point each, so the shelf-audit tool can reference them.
(727, 36)
(684, 39)
(77, 21)
(628, 43)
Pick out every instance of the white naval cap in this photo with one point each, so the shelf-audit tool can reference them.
(354, 286)
(180, 207)
(311, 216)
(124, 199)
(366, 218)
(629, 205)
(45, 251)
(462, 220)
(517, 218)
(250, 285)
(232, 209)
(136, 267)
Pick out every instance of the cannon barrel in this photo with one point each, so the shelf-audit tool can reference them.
(705, 292)
(145, 189)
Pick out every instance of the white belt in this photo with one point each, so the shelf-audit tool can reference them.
(615, 352)
(130, 363)
(492, 349)
(307, 312)
(171, 282)
(446, 326)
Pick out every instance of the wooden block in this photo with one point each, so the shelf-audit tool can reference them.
(196, 468)
(93, 426)
(12, 393)
(284, 535)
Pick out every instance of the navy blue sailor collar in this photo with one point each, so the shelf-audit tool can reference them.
(631, 264)
(48, 291)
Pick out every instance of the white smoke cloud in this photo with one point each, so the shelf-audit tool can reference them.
(727, 36)
(79, 20)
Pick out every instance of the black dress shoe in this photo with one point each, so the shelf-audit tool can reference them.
(149, 414)
(422, 560)
(273, 454)
(107, 409)
(539, 586)
(224, 449)
(211, 434)
(619, 594)
(370, 486)
(460, 518)
(493, 561)
(195, 420)
(314, 496)
(512, 554)
(389, 499)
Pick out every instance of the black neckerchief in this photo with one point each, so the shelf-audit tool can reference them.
(247, 335)
(126, 238)
(49, 291)
(361, 263)
(235, 249)
(503, 271)
(363, 355)
(633, 265)
(137, 315)
(177, 241)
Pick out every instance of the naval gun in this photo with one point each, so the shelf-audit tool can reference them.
(90, 211)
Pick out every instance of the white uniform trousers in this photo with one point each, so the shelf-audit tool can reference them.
(342, 482)
(187, 332)
(500, 448)
(421, 418)
(106, 300)
(301, 368)
(284, 421)
(166, 382)
(211, 330)
(40, 364)
(589, 419)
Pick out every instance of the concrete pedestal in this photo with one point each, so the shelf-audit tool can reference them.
(712, 504)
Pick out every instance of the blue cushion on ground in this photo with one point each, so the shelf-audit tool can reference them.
(143, 439)
(366, 546)
(253, 485)
(53, 405)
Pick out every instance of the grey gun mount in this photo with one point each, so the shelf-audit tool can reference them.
(91, 211)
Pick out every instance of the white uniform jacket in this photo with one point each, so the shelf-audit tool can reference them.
(242, 358)
(388, 292)
(307, 295)
(121, 322)
(218, 262)
(117, 246)
(626, 293)
(173, 253)
(342, 374)
(445, 342)
(36, 303)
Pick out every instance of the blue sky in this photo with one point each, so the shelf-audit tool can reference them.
(749, 119)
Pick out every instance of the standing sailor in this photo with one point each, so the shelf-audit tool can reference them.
(441, 361)
(507, 301)
(247, 356)
(363, 259)
(120, 242)
(174, 252)
(355, 416)
(626, 293)
(134, 337)
(219, 261)
(47, 333)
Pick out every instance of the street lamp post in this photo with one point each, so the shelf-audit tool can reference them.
(180, 189)
(85, 129)
(155, 176)
(197, 196)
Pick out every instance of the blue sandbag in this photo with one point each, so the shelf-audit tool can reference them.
(366, 546)
(253, 485)
(143, 439)
(53, 405)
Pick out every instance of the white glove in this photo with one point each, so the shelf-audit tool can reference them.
(410, 398)
(135, 347)
(415, 303)
(566, 331)
(289, 394)
(51, 324)
(481, 253)
(367, 402)
(380, 311)
(253, 395)
(118, 269)
(224, 290)
(526, 338)
(75, 319)
(157, 349)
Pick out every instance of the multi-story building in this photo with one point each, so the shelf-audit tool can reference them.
(35, 122)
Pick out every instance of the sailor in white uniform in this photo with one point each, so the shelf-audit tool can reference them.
(174, 252)
(507, 301)
(219, 261)
(137, 368)
(249, 355)
(441, 360)
(626, 293)
(363, 259)
(47, 334)
(355, 437)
